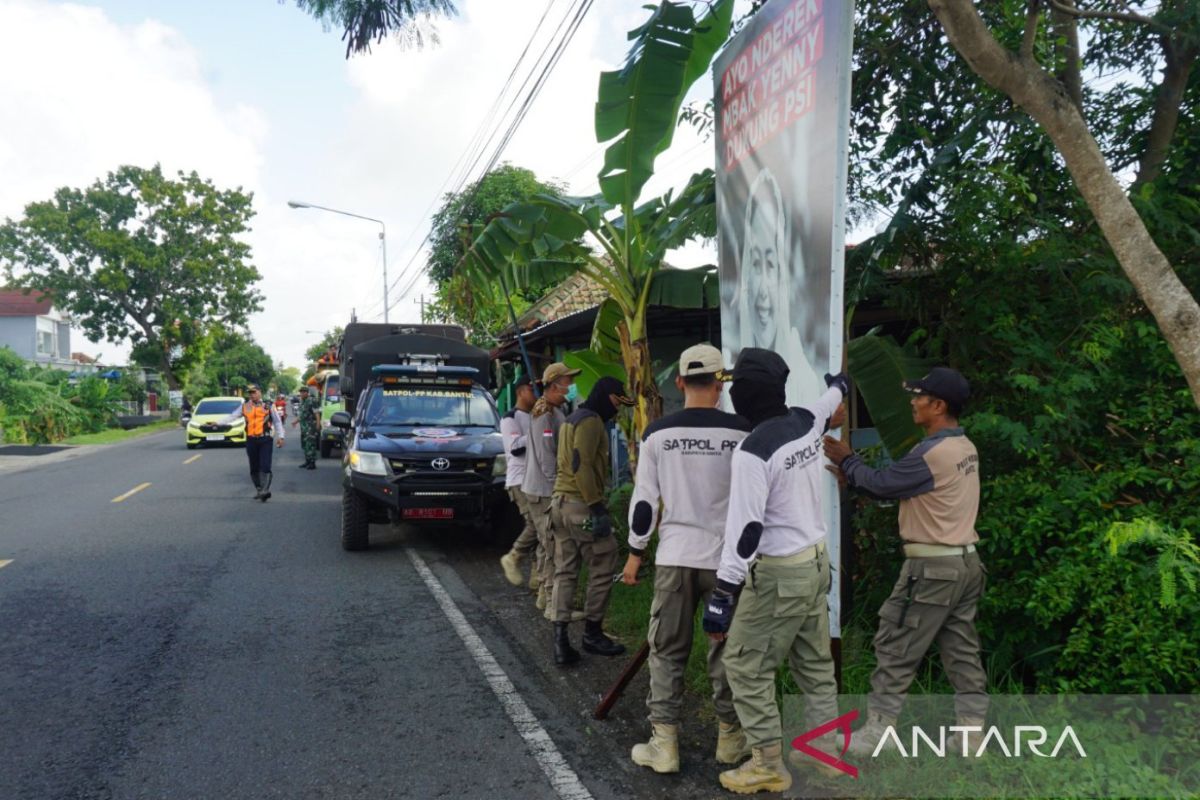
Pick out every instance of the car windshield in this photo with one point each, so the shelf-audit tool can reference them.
(332, 395)
(217, 407)
(431, 405)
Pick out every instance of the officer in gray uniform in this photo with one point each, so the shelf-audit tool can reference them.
(774, 557)
(683, 466)
(942, 579)
(514, 427)
(541, 466)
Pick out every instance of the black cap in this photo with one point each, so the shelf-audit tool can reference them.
(944, 383)
(524, 380)
(757, 364)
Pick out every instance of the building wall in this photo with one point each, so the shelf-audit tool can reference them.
(18, 333)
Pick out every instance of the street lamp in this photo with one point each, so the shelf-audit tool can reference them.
(382, 241)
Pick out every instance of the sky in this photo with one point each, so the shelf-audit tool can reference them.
(256, 94)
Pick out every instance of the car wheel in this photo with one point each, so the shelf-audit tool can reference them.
(326, 449)
(192, 446)
(356, 518)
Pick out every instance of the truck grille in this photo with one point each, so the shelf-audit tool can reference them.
(425, 465)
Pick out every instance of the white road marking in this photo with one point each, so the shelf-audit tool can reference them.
(193, 458)
(4, 562)
(130, 493)
(564, 780)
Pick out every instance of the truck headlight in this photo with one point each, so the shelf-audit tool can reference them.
(367, 463)
(499, 466)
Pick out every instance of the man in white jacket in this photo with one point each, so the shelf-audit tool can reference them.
(683, 489)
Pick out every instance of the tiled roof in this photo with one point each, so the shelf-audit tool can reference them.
(15, 303)
(577, 293)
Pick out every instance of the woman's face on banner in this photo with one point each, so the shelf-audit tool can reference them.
(763, 270)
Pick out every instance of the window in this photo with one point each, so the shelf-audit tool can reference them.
(45, 343)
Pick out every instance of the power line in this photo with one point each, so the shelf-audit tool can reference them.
(581, 9)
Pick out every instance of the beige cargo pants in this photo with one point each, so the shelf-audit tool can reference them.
(781, 614)
(678, 591)
(934, 600)
(539, 511)
(572, 547)
(527, 542)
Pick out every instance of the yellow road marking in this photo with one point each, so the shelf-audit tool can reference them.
(193, 458)
(4, 562)
(130, 493)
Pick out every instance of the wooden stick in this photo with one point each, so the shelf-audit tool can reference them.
(615, 691)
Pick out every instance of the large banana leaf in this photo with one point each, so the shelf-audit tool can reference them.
(606, 343)
(594, 367)
(638, 105)
(879, 366)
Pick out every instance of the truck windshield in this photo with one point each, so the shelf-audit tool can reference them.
(431, 405)
(332, 395)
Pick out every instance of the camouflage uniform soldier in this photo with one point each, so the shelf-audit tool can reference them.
(309, 420)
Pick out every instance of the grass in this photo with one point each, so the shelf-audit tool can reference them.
(113, 435)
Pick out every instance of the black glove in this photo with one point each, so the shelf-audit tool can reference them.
(841, 381)
(601, 522)
(718, 612)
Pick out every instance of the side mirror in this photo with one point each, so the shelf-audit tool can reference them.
(340, 419)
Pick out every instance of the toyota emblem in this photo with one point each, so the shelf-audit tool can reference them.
(440, 463)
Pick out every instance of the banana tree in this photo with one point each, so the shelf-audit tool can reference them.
(617, 242)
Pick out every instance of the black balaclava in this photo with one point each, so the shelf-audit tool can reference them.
(597, 399)
(758, 400)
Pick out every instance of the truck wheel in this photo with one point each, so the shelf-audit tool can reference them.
(326, 449)
(356, 518)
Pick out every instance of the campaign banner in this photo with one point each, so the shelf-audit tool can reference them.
(782, 102)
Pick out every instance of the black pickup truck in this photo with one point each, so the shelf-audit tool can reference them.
(423, 437)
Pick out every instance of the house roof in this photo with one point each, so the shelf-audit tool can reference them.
(15, 303)
(576, 293)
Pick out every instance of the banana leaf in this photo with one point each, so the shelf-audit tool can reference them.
(685, 288)
(594, 368)
(638, 105)
(606, 343)
(879, 366)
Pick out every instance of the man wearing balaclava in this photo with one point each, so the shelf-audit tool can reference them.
(582, 526)
(774, 566)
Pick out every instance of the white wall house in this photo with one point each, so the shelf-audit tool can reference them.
(35, 330)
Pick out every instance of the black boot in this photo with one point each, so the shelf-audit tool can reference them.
(257, 480)
(594, 640)
(563, 652)
(304, 465)
(266, 489)
(312, 465)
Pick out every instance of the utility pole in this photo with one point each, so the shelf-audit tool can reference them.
(421, 300)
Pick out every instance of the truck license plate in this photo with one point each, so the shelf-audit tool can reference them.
(428, 513)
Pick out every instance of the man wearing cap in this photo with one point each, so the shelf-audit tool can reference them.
(942, 578)
(581, 523)
(514, 427)
(774, 565)
(263, 427)
(541, 465)
(684, 469)
(308, 417)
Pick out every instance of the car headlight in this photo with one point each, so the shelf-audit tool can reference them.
(367, 463)
(499, 466)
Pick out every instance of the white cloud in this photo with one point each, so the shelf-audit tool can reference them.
(90, 94)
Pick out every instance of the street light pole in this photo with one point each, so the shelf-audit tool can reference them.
(382, 241)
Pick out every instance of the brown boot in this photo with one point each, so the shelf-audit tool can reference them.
(731, 743)
(661, 753)
(510, 562)
(762, 772)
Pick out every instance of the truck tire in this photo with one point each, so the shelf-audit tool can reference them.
(356, 520)
(326, 449)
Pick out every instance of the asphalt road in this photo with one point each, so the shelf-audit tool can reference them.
(190, 642)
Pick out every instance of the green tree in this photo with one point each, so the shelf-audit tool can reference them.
(331, 339)
(138, 255)
(624, 243)
(482, 309)
(237, 355)
(366, 21)
(286, 379)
